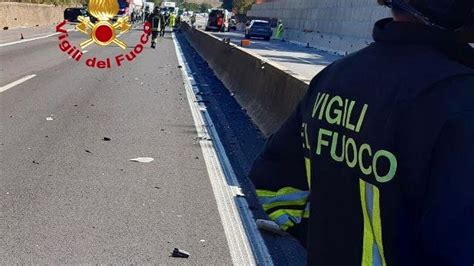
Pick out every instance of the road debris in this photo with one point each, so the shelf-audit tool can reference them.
(142, 159)
(179, 253)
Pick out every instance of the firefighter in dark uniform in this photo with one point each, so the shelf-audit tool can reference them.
(155, 20)
(164, 16)
(376, 165)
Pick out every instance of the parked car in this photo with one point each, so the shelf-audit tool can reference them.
(71, 14)
(259, 28)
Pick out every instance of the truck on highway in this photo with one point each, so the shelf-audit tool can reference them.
(149, 6)
(169, 7)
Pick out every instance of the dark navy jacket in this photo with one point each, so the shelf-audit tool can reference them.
(389, 134)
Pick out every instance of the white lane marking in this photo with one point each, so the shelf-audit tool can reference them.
(245, 243)
(14, 83)
(32, 39)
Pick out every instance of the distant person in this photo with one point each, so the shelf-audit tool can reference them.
(376, 164)
(164, 16)
(155, 20)
(220, 23)
(147, 13)
(279, 31)
(172, 21)
(193, 20)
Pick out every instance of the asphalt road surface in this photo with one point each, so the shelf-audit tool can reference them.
(69, 196)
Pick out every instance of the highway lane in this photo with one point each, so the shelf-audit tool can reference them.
(301, 61)
(68, 196)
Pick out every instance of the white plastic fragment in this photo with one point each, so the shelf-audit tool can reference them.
(142, 159)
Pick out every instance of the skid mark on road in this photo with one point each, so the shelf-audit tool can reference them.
(17, 82)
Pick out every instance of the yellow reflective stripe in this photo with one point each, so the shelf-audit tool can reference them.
(295, 213)
(377, 223)
(265, 193)
(368, 238)
(280, 192)
(302, 202)
(287, 225)
(307, 163)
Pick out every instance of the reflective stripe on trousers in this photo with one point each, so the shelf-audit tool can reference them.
(372, 247)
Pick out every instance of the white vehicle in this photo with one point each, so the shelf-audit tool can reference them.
(216, 15)
(168, 4)
(149, 6)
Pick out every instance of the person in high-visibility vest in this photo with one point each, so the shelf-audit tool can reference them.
(378, 156)
(172, 21)
(279, 31)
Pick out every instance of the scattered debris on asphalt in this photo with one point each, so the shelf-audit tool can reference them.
(107, 139)
(179, 253)
(142, 159)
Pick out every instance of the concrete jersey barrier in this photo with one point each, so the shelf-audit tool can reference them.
(16, 15)
(268, 92)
